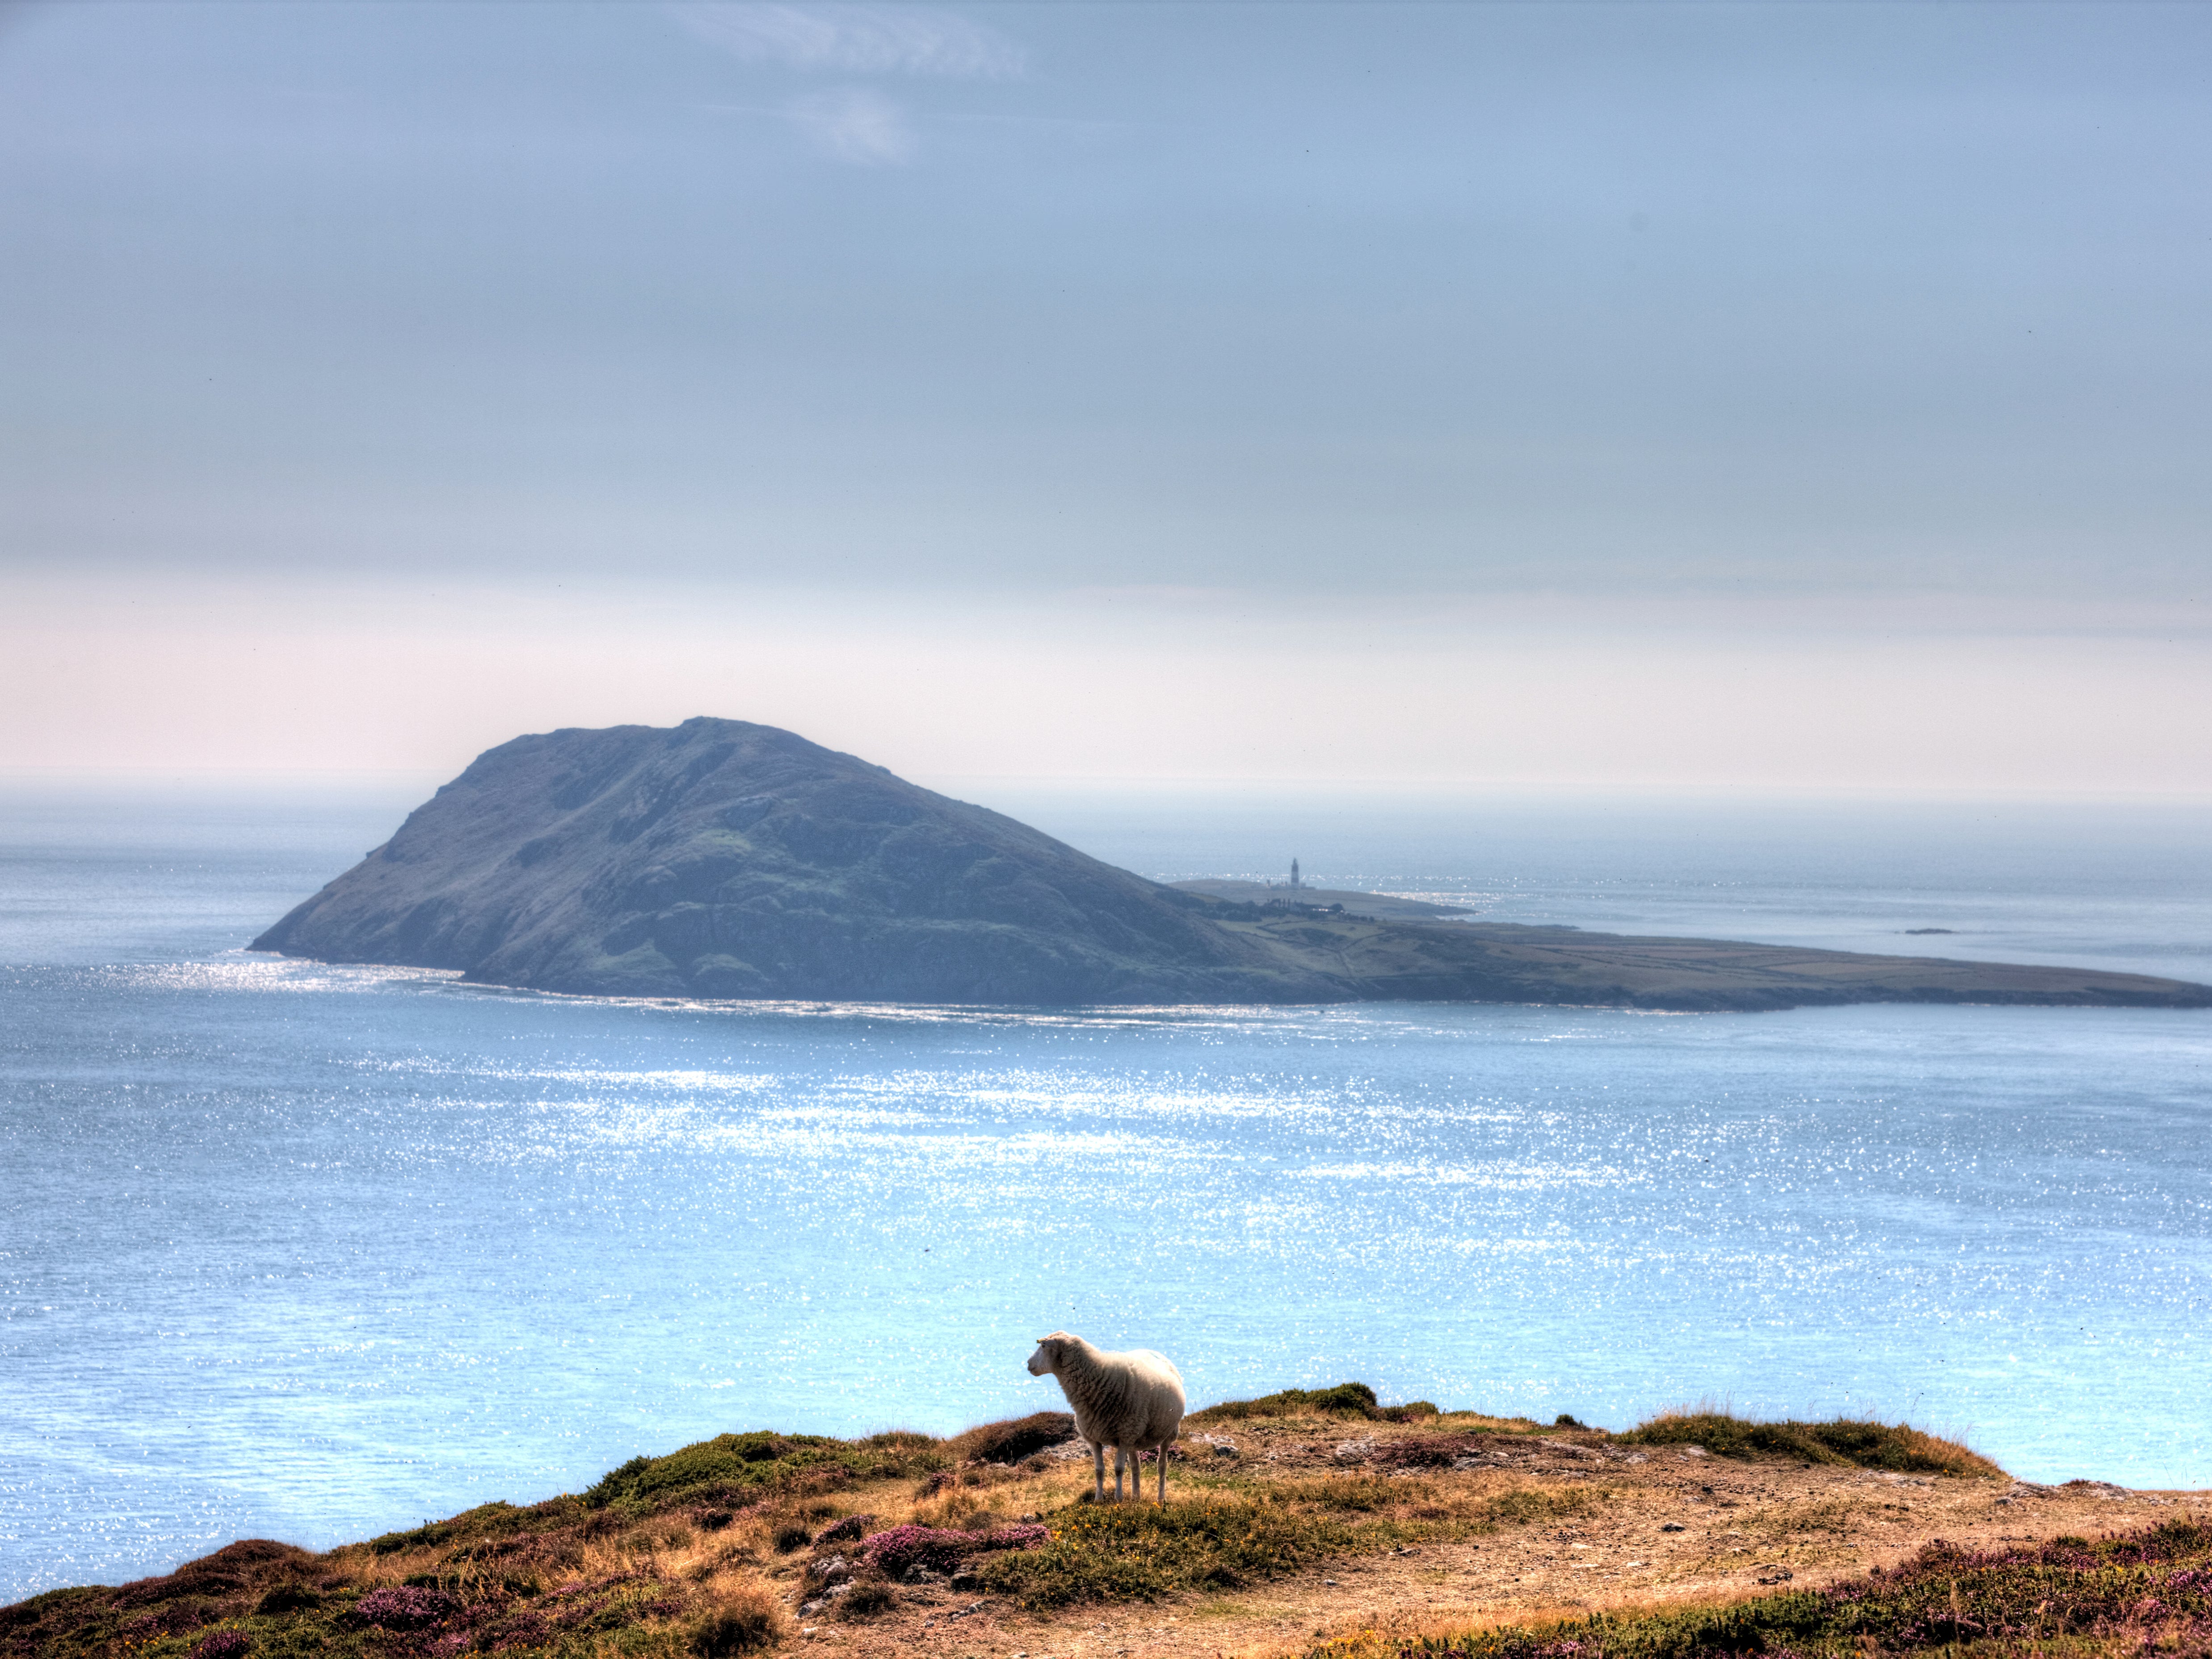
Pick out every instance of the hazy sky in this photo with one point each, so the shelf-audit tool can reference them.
(1749, 396)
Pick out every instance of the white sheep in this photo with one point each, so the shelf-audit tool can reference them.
(1130, 1401)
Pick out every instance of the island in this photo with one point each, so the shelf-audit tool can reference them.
(725, 860)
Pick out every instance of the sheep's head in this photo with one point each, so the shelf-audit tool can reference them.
(1046, 1360)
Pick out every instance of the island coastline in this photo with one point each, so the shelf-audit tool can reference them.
(721, 859)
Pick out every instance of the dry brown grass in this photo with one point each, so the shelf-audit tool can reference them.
(741, 1621)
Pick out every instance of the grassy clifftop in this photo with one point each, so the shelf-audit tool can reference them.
(748, 1540)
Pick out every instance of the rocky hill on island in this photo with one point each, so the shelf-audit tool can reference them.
(726, 859)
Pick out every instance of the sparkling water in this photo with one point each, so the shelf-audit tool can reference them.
(314, 1253)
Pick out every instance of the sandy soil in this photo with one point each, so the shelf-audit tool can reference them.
(1676, 1525)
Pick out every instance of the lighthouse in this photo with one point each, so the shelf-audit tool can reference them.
(1294, 873)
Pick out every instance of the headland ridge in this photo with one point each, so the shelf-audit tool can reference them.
(1315, 1522)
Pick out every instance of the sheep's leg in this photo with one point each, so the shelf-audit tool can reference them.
(1098, 1471)
(1120, 1457)
(1164, 1473)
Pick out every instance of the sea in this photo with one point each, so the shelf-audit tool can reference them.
(314, 1253)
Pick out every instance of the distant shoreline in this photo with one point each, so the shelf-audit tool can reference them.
(724, 861)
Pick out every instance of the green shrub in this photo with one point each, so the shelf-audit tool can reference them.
(1412, 1411)
(1140, 1551)
(1345, 1399)
(735, 1463)
(289, 1598)
(485, 1520)
(1016, 1439)
(1841, 1440)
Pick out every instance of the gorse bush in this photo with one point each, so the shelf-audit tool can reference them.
(1842, 1440)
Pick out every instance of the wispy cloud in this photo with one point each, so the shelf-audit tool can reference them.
(854, 39)
(855, 125)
